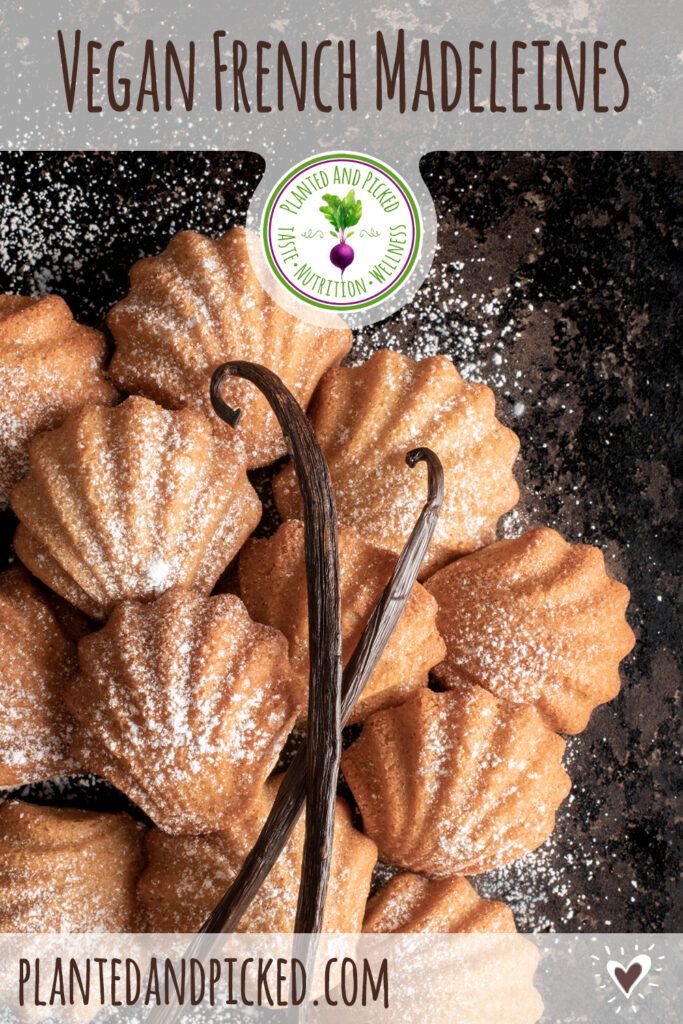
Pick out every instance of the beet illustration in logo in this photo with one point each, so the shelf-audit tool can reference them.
(342, 214)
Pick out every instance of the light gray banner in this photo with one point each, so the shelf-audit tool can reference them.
(362, 979)
(35, 116)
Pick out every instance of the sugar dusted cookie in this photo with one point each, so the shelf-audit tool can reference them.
(536, 621)
(184, 704)
(37, 659)
(49, 366)
(200, 304)
(456, 783)
(368, 417)
(411, 903)
(67, 870)
(128, 502)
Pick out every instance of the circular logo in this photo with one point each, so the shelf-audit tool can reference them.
(341, 231)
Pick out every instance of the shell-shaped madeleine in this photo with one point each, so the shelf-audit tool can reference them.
(37, 659)
(126, 503)
(273, 587)
(66, 870)
(411, 903)
(184, 704)
(537, 621)
(200, 304)
(174, 901)
(368, 417)
(456, 783)
(49, 366)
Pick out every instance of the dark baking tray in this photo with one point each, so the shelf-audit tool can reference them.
(558, 281)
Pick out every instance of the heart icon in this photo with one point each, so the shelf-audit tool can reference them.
(628, 978)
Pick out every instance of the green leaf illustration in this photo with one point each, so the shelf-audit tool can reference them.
(352, 209)
(342, 213)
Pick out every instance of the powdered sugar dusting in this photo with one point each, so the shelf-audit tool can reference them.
(36, 662)
(151, 501)
(49, 366)
(64, 870)
(537, 621)
(184, 704)
(199, 304)
(454, 784)
(367, 418)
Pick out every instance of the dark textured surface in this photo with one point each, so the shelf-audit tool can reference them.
(558, 282)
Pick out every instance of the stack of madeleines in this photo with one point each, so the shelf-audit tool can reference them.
(118, 657)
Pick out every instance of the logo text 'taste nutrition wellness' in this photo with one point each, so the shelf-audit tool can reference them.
(342, 231)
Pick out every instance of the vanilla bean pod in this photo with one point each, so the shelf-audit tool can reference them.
(291, 796)
(324, 629)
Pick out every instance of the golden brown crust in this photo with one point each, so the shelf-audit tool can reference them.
(456, 783)
(273, 587)
(200, 304)
(536, 621)
(49, 367)
(125, 503)
(411, 903)
(368, 417)
(184, 704)
(66, 870)
(173, 900)
(37, 659)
